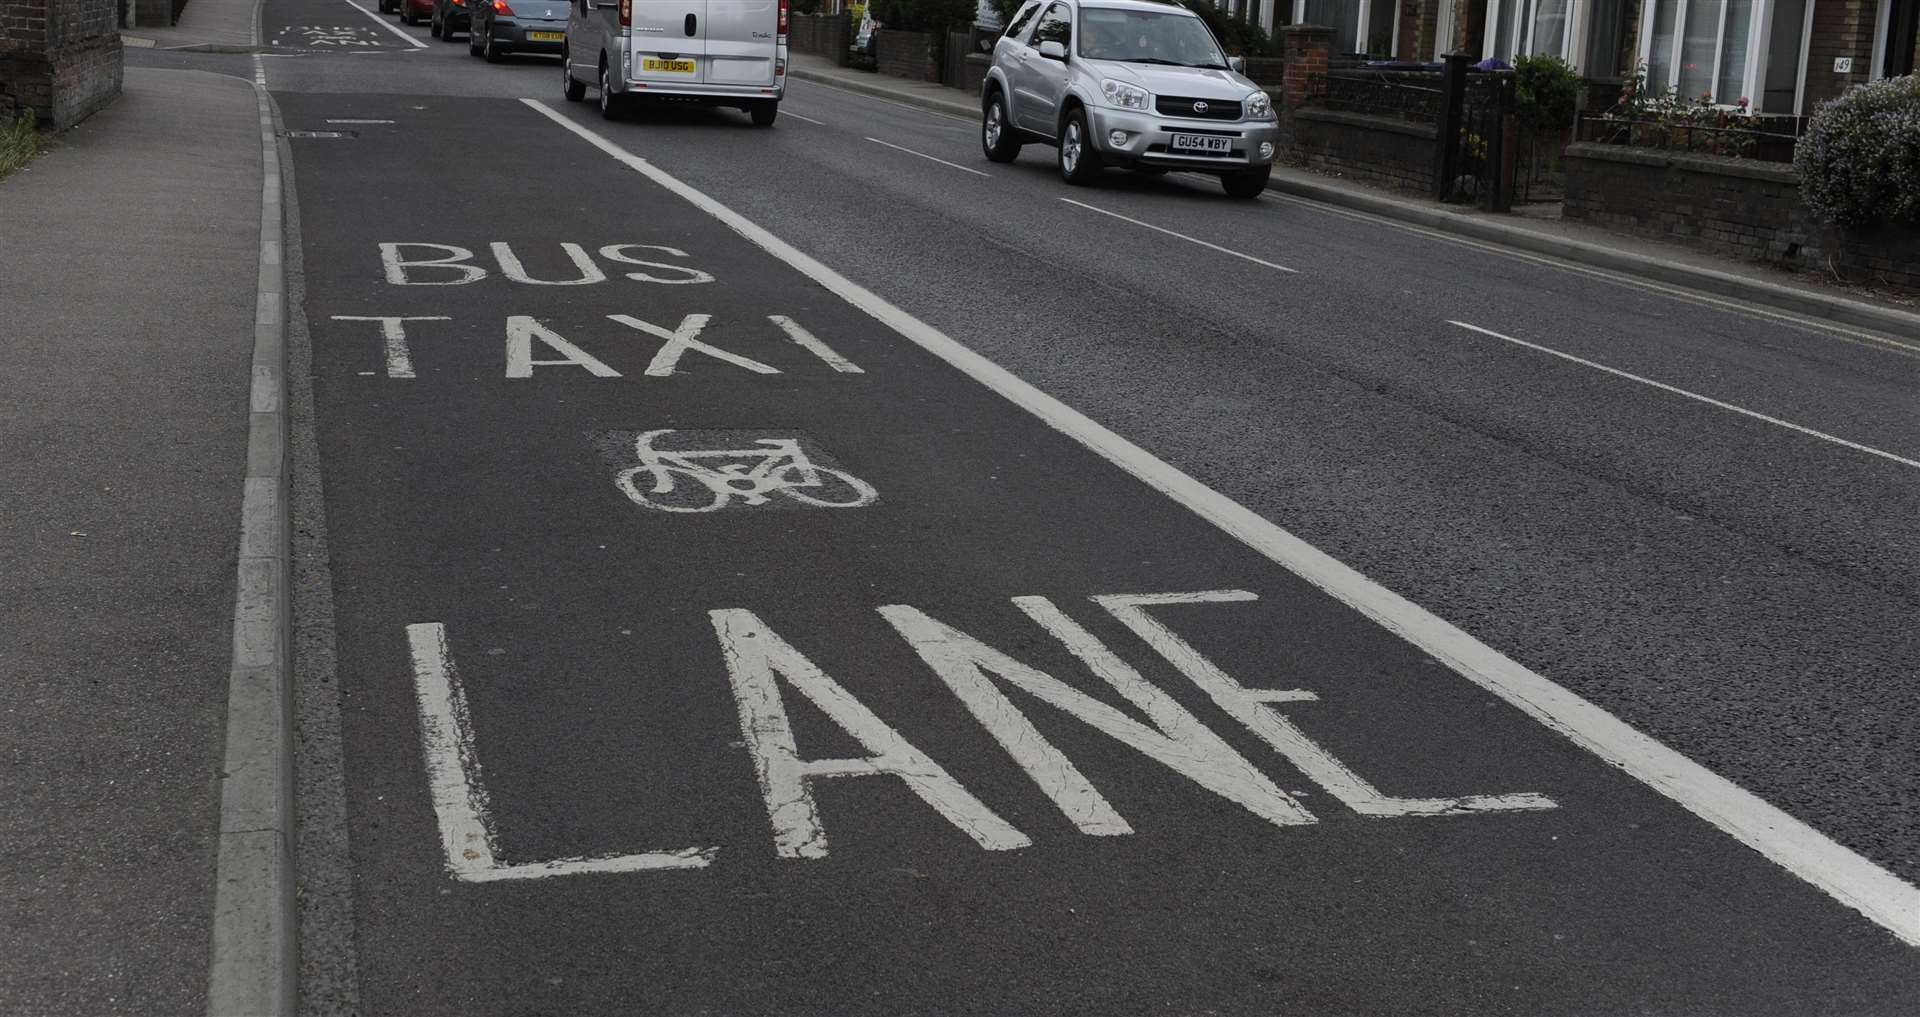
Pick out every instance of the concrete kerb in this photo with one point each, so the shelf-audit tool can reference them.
(254, 967)
(1706, 280)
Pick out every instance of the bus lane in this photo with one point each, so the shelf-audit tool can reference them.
(706, 646)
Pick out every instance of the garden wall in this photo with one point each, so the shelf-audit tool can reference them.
(1741, 207)
(905, 55)
(827, 35)
(1372, 150)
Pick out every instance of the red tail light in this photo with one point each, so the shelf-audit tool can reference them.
(626, 13)
(783, 17)
(500, 7)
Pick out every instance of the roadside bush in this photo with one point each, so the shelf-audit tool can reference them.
(1237, 37)
(936, 16)
(1547, 91)
(1859, 160)
(20, 140)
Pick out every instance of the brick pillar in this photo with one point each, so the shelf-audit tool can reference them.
(59, 59)
(1303, 52)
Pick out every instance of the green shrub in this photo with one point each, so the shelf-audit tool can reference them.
(1237, 37)
(20, 140)
(1859, 161)
(1546, 92)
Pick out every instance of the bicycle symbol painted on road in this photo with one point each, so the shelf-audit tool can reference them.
(707, 480)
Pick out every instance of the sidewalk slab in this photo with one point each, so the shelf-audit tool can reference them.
(222, 26)
(1672, 264)
(128, 263)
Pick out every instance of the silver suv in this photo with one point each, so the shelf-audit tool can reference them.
(1136, 83)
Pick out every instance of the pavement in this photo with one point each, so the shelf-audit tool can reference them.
(127, 267)
(208, 25)
(735, 546)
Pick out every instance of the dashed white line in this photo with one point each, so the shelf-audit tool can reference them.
(388, 25)
(796, 116)
(1182, 236)
(1710, 401)
(1808, 854)
(929, 158)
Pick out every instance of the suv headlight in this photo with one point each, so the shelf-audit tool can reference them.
(1259, 106)
(1123, 95)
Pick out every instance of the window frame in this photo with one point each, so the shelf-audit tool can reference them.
(1033, 33)
(1017, 28)
(1363, 21)
(1759, 38)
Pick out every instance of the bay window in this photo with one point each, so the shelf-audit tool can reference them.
(1517, 28)
(1723, 51)
(1359, 26)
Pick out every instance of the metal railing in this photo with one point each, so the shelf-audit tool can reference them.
(1769, 139)
(1411, 96)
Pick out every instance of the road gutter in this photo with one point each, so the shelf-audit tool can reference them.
(254, 965)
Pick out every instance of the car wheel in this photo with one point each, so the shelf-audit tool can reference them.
(609, 103)
(571, 87)
(763, 113)
(997, 138)
(490, 49)
(1079, 163)
(1246, 183)
(406, 16)
(433, 26)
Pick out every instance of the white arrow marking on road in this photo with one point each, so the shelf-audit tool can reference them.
(754, 657)
(1841, 873)
(459, 800)
(1664, 387)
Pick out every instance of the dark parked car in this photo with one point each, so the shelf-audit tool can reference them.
(412, 12)
(517, 26)
(450, 16)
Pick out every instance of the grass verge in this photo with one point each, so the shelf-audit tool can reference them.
(20, 140)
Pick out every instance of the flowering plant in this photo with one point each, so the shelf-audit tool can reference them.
(1859, 161)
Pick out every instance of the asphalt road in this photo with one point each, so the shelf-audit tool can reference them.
(565, 708)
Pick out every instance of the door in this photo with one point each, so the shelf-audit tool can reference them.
(669, 41)
(742, 39)
(1041, 83)
(583, 41)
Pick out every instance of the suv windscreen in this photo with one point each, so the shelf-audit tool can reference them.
(1147, 37)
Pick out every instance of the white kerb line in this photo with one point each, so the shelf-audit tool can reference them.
(388, 25)
(1709, 400)
(1182, 236)
(930, 158)
(1810, 855)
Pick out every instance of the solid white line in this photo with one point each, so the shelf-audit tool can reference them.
(1800, 849)
(929, 158)
(796, 116)
(359, 121)
(1664, 387)
(1182, 236)
(388, 25)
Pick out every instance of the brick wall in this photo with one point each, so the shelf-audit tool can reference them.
(1385, 153)
(59, 59)
(1419, 20)
(825, 34)
(1740, 207)
(1841, 28)
(905, 55)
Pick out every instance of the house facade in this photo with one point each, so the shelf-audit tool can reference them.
(1782, 56)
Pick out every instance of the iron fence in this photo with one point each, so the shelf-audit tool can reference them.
(1411, 96)
(1765, 139)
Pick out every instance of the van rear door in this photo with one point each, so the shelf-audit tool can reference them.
(742, 41)
(669, 41)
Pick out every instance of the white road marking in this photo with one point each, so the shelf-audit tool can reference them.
(1254, 708)
(523, 329)
(511, 267)
(388, 25)
(1176, 738)
(929, 158)
(683, 338)
(1664, 387)
(351, 121)
(1809, 854)
(796, 116)
(457, 259)
(694, 276)
(774, 466)
(394, 331)
(813, 345)
(755, 655)
(1182, 236)
(459, 800)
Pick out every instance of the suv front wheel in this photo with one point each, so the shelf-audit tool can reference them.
(1079, 162)
(996, 134)
(1246, 184)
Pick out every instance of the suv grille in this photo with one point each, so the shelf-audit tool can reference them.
(1182, 106)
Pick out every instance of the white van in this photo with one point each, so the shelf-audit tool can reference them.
(718, 52)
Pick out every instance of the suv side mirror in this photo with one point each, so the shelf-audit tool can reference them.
(1053, 51)
(1237, 64)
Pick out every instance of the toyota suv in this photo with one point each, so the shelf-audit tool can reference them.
(1141, 84)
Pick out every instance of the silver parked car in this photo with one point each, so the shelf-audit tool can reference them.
(1136, 83)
